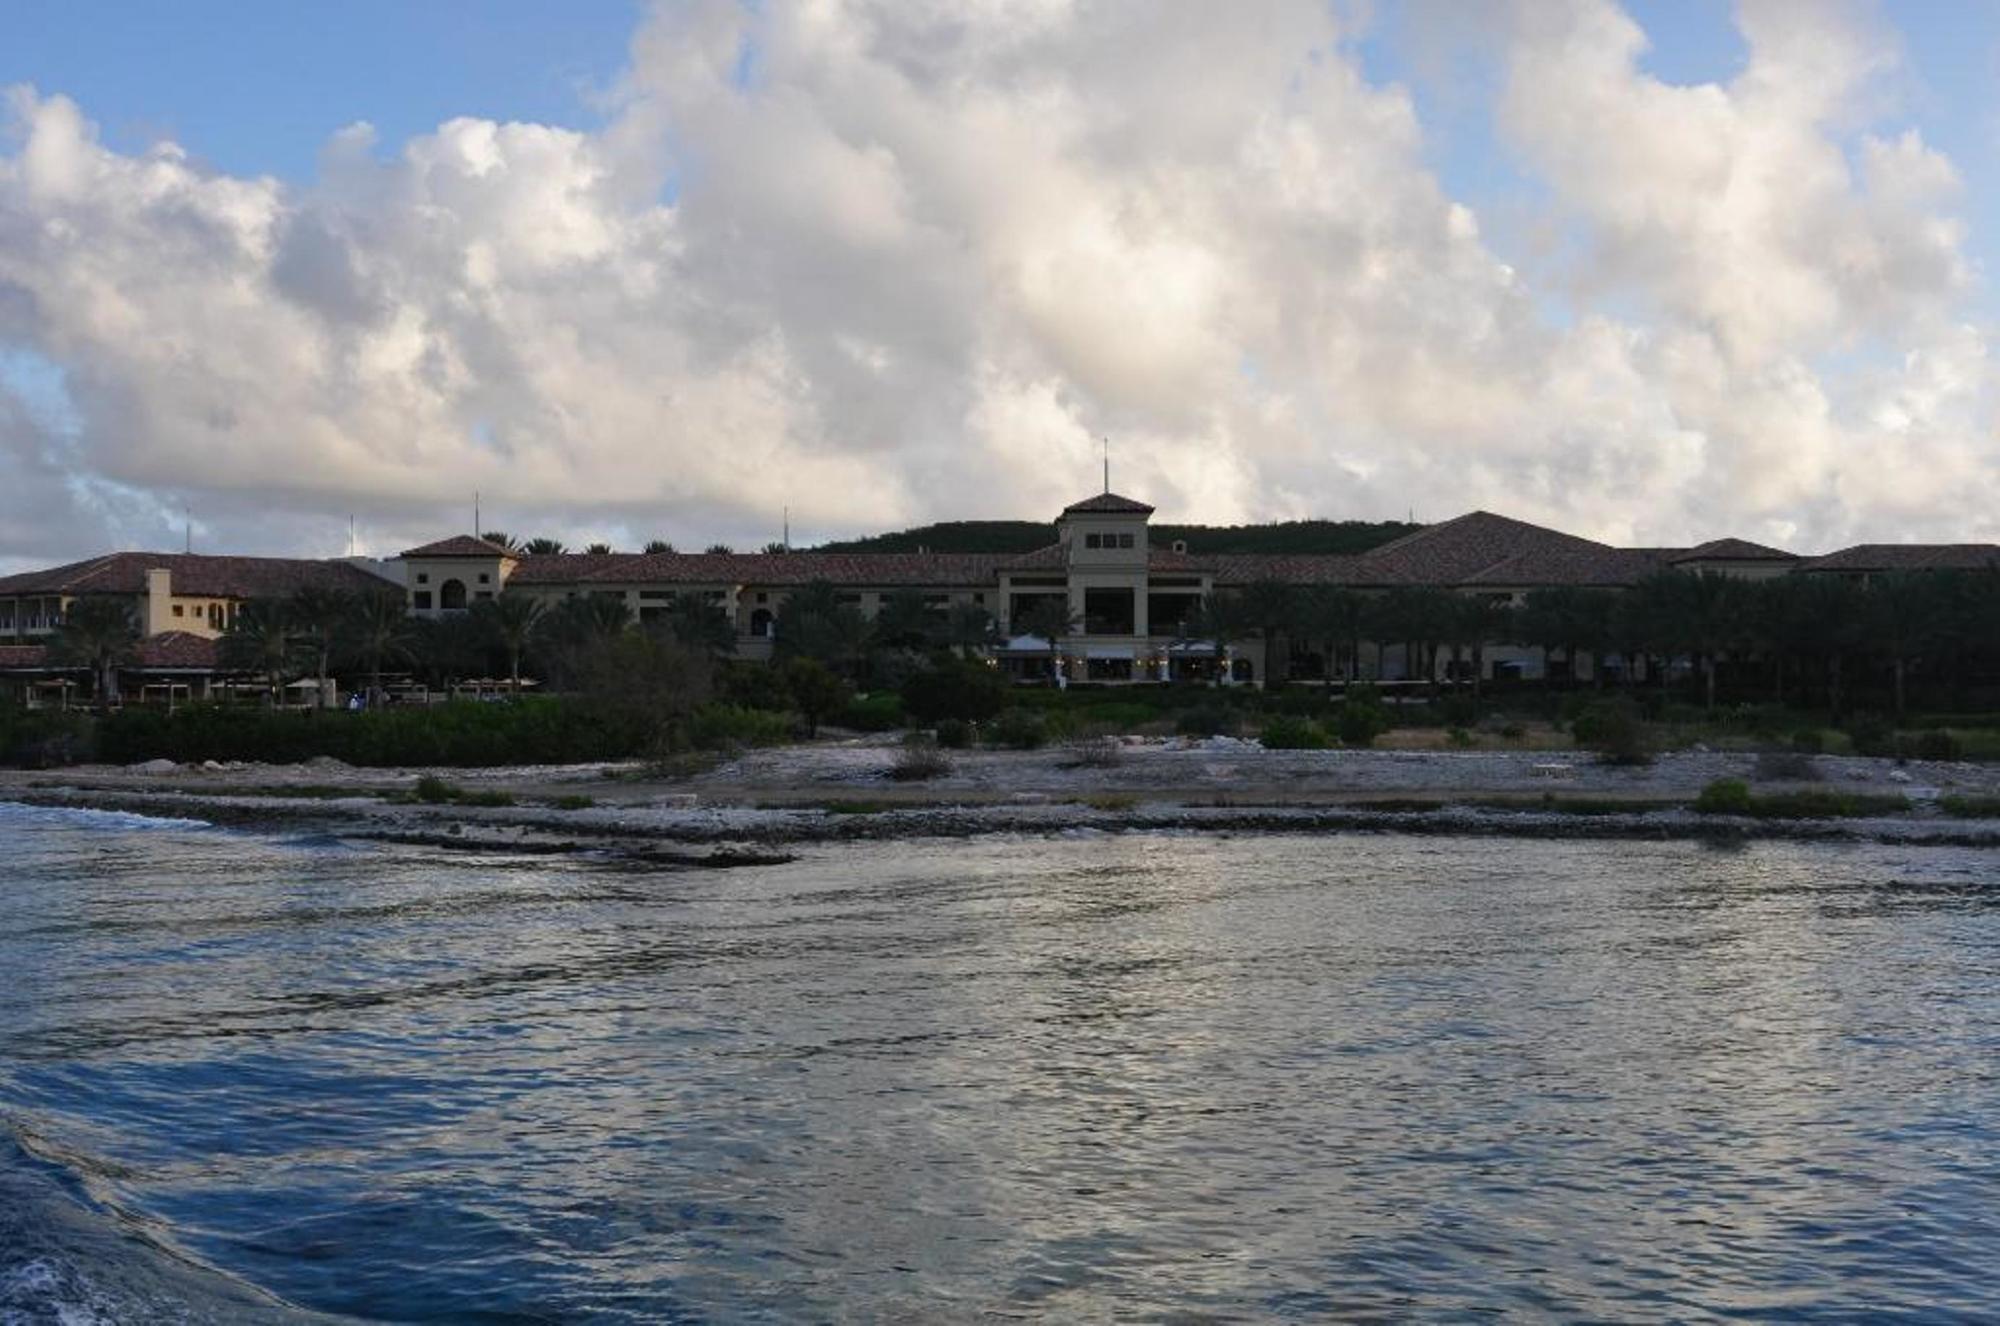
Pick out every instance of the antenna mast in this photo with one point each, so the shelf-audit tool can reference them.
(1107, 463)
(787, 537)
(475, 514)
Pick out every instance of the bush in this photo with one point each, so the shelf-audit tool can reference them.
(1935, 744)
(540, 730)
(435, 791)
(955, 689)
(817, 692)
(1871, 736)
(880, 712)
(45, 739)
(1099, 753)
(1970, 808)
(721, 726)
(574, 801)
(1724, 796)
(1458, 711)
(1018, 729)
(1287, 732)
(920, 760)
(1361, 718)
(1786, 766)
(1616, 732)
(954, 733)
(1460, 738)
(1207, 720)
(1809, 741)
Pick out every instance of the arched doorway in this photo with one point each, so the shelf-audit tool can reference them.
(760, 622)
(451, 596)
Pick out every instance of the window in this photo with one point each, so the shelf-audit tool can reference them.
(451, 596)
(485, 579)
(1093, 540)
(980, 599)
(423, 577)
(215, 616)
(421, 600)
(1124, 540)
(179, 611)
(763, 598)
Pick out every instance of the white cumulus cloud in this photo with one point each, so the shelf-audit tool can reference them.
(888, 262)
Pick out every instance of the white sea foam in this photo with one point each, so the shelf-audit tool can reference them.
(14, 813)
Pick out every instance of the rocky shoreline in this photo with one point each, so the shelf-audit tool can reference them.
(746, 811)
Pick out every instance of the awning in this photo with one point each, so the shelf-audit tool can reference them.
(1108, 651)
(1192, 647)
(1025, 644)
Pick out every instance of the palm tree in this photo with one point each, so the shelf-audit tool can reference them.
(500, 539)
(1906, 619)
(263, 640)
(510, 622)
(719, 548)
(813, 622)
(776, 547)
(100, 634)
(1271, 609)
(1047, 618)
(1219, 621)
(701, 626)
(1333, 619)
(598, 549)
(969, 628)
(319, 615)
(380, 632)
(655, 547)
(906, 620)
(543, 548)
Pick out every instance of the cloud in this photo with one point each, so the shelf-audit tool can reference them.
(882, 262)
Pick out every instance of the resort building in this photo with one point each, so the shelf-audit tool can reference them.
(1125, 600)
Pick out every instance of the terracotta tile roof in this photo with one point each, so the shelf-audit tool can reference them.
(178, 649)
(1481, 548)
(1728, 550)
(1908, 557)
(1295, 568)
(974, 570)
(169, 650)
(193, 574)
(1108, 504)
(22, 656)
(459, 545)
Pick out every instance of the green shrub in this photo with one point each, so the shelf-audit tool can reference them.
(1616, 732)
(1971, 808)
(1361, 718)
(435, 791)
(1120, 716)
(1018, 729)
(1724, 796)
(574, 801)
(1288, 732)
(486, 798)
(462, 734)
(1871, 735)
(1786, 766)
(1934, 744)
(1460, 738)
(957, 689)
(880, 712)
(1809, 741)
(1460, 711)
(720, 726)
(46, 738)
(954, 733)
(1732, 796)
(1207, 720)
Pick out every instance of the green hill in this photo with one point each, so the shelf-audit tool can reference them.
(1020, 536)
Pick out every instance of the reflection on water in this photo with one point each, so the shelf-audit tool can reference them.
(1069, 1077)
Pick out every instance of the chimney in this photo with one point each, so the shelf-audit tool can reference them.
(159, 611)
(1180, 545)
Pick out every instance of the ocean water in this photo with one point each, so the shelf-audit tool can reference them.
(1199, 1077)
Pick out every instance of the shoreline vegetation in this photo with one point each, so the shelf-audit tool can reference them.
(659, 752)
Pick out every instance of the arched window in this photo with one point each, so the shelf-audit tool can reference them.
(760, 622)
(451, 595)
(1242, 670)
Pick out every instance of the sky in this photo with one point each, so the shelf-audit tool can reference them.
(276, 276)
